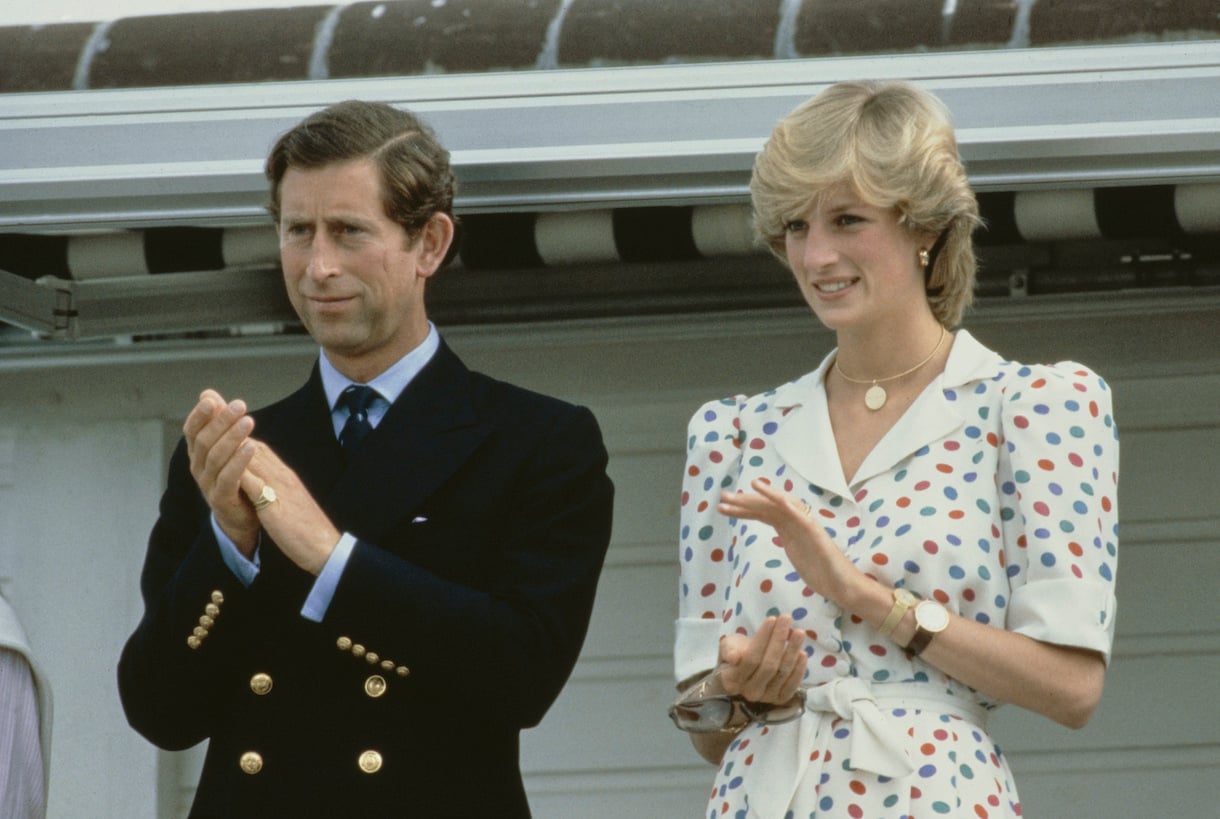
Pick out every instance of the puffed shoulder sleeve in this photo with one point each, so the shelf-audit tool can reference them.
(1058, 482)
(713, 464)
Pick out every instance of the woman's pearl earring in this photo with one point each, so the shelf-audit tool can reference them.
(923, 257)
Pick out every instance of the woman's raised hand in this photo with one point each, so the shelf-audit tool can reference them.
(814, 555)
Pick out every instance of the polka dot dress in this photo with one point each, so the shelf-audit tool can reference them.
(994, 494)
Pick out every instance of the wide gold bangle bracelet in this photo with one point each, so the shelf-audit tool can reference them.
(903, 600)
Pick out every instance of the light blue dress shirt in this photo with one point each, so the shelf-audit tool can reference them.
(389, 385)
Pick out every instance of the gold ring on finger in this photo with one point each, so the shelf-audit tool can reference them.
(265, 498)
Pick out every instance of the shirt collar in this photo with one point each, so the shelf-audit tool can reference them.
(388, 384)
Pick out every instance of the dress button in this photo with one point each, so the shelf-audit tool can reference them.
(251, 762)
(261, 683)
(375, 686)
(369, 762)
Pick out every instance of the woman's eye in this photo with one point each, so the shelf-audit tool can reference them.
(846, 219)
(795, 226)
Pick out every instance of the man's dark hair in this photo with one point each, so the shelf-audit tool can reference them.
(416, 180)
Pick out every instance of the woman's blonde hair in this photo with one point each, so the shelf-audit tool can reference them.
(893, 144)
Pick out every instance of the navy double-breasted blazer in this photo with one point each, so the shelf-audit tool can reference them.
(482, 516)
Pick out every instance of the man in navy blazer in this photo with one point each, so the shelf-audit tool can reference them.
(363, 628)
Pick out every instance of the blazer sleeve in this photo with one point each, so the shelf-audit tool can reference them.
(509, 640)
(169, 683)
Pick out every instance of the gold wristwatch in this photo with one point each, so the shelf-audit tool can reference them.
(931, 618)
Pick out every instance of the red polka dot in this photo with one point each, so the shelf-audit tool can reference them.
(703, 506)
(952, 446)
(1020, 422)
(1075, 548)
(927, 749)
(993, 439)
(980, 812)
(715, 457)
(940, 595)
(693, 470)
(765, 586)
(708, 590)
(922, 485)
(903, 502)
(1047, 464)
(1105, 503)
(826, 513)
(1041, 508)
(857, 786)
(941, 734)
(1075, 460)
(930, 547)
(1093, 408)
(758, 443)
(854, 811)
(957, 514)
(828, 661)
(717, 555)
(945, 468)
(878, 650)
(881, 559)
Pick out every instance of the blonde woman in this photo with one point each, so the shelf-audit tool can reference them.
(879, 553)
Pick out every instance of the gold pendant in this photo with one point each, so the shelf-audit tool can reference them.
(874, 399)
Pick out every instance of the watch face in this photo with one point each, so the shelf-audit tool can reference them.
(931, 616)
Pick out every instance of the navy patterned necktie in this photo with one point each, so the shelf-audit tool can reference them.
(357, 400)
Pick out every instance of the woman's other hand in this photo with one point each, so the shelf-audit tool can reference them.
(767, 666)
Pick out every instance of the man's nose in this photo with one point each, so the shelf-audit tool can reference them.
(323, 260)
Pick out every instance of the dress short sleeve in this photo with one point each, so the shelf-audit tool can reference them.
(1058, 484)
(713, 464)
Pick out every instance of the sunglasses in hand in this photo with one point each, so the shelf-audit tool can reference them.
(700, 709)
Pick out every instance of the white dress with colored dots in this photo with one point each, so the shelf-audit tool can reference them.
(994, 493)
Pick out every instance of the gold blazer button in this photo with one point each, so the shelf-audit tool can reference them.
(375, 686)
(370, 762)
(217, 597)
(211, 610)
(261, 683)
(344, 643)
(251, 762)
(194, 642)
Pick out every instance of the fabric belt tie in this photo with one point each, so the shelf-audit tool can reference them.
(878, 744)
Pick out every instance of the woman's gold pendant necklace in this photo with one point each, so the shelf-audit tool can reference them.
(875, 396)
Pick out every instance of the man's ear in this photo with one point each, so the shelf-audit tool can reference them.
(434, 240)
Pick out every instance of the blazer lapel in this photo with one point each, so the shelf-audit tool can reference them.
(425, 436)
